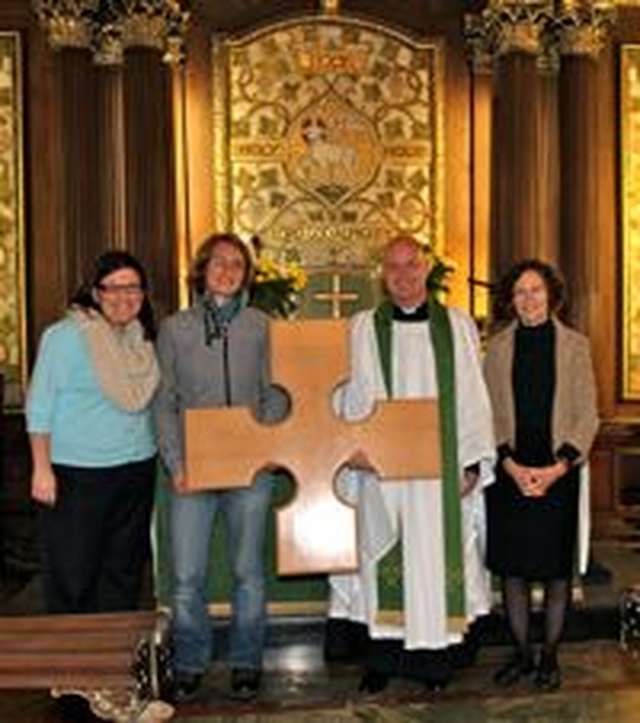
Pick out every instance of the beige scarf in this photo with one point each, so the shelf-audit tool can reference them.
(123, 359)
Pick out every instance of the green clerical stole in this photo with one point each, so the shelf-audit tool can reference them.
(390, 577)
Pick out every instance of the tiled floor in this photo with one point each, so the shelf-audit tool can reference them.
(297, 678)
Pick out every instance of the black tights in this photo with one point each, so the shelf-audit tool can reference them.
(516, 592)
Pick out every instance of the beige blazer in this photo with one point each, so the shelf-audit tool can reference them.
(575, 411)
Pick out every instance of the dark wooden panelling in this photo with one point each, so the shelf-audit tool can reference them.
(615, 471)
(17, 513)
(626, 466)
(602, 497)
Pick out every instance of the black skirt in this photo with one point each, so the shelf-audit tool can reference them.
(529, 537)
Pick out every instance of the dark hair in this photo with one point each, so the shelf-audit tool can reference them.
(198, 273)
(103, 266)
(548, 273)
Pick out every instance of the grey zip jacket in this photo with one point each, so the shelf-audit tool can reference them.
(233, 370)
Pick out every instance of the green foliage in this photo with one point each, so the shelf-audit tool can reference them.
(276, 297)
(438, 277)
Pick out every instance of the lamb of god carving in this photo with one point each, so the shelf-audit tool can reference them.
(316, 531)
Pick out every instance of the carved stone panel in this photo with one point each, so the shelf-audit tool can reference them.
(12, 338)
(327, 140)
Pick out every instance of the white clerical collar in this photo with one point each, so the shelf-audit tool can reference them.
(412, 313)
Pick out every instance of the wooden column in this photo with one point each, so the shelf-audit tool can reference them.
(480, 102)
(79, 230)
(580, 186)
(524, 195)
(112, 157)
(150, 171)
(548, 168)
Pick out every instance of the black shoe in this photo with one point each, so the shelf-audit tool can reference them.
(373, 681)
(245, 683)
(515, 669)
(548, 677)
(186, 687)
(344, 641)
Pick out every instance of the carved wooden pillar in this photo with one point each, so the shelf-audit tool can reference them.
(548, 166)
(75, 202)
(521, 168)
(524, 149)
(115, 131)
(78, 163)
(579, 157)
(112, 156)
(150, 171)
(480, 179)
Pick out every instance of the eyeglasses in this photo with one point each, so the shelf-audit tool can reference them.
(121, 289)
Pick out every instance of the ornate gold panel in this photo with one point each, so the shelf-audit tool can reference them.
(327, 139)
(12, 323)
(630, 186)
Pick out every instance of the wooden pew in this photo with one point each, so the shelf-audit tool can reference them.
(119, 662)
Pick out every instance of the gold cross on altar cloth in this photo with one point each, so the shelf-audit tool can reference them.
(316, 531)
(336, 296)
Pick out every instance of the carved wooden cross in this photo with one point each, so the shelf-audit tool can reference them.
(226, 447)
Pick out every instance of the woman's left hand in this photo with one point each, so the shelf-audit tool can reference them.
(543, 478)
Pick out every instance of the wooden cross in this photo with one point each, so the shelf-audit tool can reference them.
(316, 531)
(336, 296)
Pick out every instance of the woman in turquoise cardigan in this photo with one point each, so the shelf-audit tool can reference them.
(92, 443)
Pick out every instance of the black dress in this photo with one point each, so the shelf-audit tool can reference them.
(534, 538)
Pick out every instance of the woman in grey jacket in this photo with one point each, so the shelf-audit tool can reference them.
(542, 388)
(215, 354)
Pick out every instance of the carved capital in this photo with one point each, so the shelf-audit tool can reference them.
(159, 24)
(141, 30)
(109, 27)
(544, 28)
(582, 27)
(67, 23)
(480, 42)
(108, 45)
(582, 40)
(521, 35)
(508, 27)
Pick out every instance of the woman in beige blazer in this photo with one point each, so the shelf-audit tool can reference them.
(542, 388)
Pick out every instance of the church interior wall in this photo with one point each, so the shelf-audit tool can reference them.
(51, 259)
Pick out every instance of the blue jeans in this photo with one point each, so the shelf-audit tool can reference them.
(191, 518)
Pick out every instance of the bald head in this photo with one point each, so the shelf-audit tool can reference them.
(404, 271)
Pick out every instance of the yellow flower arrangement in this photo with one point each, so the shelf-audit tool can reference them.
(277, 285)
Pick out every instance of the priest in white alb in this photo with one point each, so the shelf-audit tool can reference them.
(421, 580)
